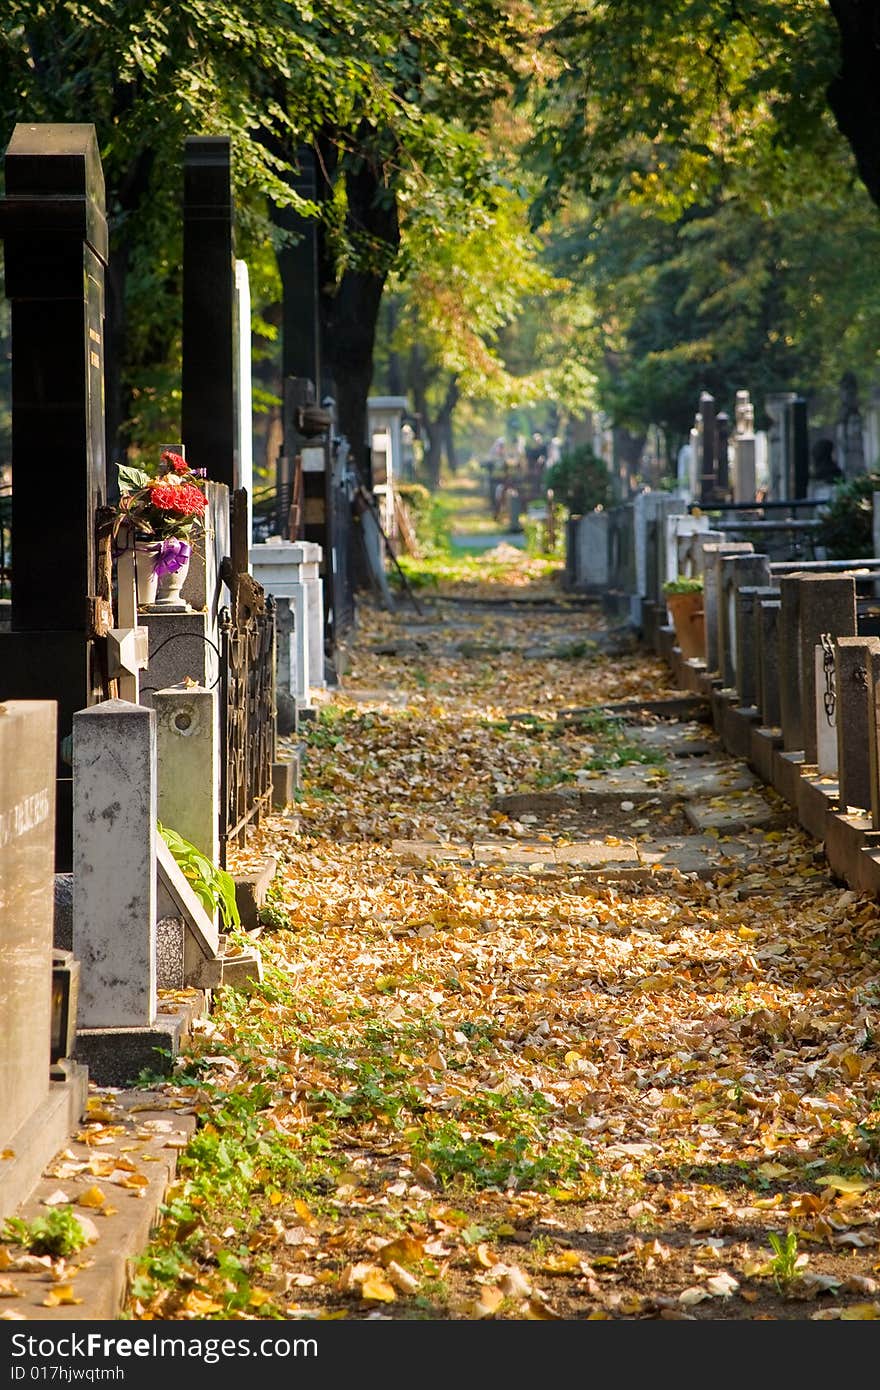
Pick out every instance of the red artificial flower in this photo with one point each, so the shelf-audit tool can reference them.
(182, 498)
(174, 461)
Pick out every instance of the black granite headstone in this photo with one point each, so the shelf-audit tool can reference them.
(208, 423)
(53, 224)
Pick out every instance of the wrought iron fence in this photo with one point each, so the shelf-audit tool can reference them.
(247, 722)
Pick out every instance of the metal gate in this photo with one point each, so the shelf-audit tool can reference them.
(247, 722)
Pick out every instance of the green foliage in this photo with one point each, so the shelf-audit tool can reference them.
(58, 1233)
(846, 529)
(783, 1266)
(580, 480)
(683, 586)
(214, 887)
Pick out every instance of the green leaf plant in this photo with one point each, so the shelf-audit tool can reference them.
(214, 887)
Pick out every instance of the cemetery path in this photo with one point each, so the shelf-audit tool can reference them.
(561, 1017)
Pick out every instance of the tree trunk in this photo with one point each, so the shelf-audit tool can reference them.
(350, 310)
(854, 94)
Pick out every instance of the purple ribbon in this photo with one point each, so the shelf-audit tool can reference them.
(173, 555)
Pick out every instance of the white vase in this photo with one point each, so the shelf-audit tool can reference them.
(145, 555)
(168, 589)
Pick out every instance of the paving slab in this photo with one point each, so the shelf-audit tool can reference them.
(145, 1133)
(677, 740)
(735, 811)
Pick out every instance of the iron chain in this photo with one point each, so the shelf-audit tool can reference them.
(830, 695)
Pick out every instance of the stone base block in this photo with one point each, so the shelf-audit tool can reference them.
(285, 780)
(665, 641)
(44, 1135)
(693, 674)
(846, 837)
(117, 1056)
(816, 797)
(676, 662)
(738, 721)
(242, 970)
(765, 742)
(251, 890)
(787, 774)
(869, 871)
(721, 698)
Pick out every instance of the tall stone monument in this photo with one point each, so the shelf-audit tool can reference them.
(52, 220)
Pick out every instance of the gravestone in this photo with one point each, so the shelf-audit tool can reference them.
(779, 442)
(790, 695)
(714, 553)
(591, 551)
(244, 403)
(744, 479)
(767, 618)
(824, 683)
(735, 571)
(36, 1115)
(52, 219)
(827, 604)
(748, 598)
(853, 658)
(208, 385)
(708, 458)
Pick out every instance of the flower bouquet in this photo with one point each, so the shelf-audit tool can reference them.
(162, 505)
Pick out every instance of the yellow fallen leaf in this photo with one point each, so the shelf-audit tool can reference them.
(8, 1289)
(258, 1297)
(538, 1309)
(860, 1312)
(488, 1303)
(8, 1153)
(772, 1170)
(94, 1197)
(841, 1183)
(275, 1199)
(483, 1256)
(376, 1289)
(303, 1212)
(134, 1180)
(405, 1250)
(61, 1296)
(564, 1262)
(201, 1303)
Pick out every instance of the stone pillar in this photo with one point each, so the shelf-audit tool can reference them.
(826, 727)
(188, 765)
(790, 695)
(874, 739)
(747, 653)
(767, 616)
(827, 604)
(711, 588)
(114, 864)
(244, 403)
(53, 223)
(853, 657)
(800, 448)
(735, 571)
(27, 826)
(708, 461)
(290, 570)
(591, 551)
(208, 372)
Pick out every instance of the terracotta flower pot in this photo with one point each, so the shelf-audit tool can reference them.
(686, 611)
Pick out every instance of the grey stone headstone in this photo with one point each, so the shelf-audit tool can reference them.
(826, 719)
(827, 604)
(736, 571)
(790, 707)
(114, 863)
(591, 551)
(767, 618)
(713, 553)
(27, 861)
(747, 599)
(852, 667)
